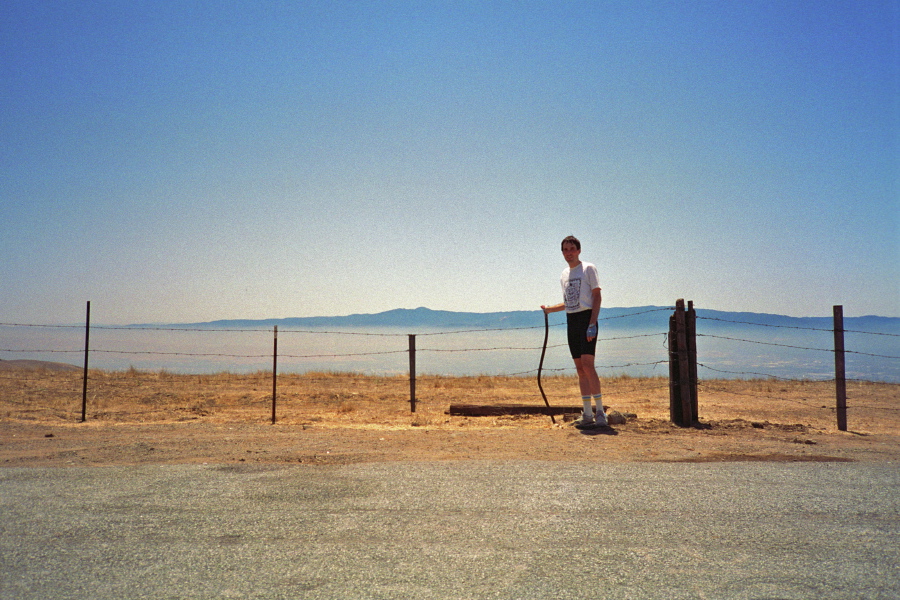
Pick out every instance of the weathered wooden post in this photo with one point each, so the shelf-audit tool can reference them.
(87, 337)
(691, 330)
(840, 381)
(680, 398)
(674, 398)
(274, 373)
(412, 372)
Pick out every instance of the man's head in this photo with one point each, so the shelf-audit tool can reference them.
(570, 239)
(571, 250)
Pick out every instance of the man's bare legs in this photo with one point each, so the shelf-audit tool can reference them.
(588, 379)
(589, 382)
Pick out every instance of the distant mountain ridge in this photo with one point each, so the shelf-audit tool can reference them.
(610, 318)
(36, 365)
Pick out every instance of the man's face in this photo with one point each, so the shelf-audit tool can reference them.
(571, 253)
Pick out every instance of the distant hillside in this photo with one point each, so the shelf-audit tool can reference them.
(419, 318)
(400, 317)
(36, 365)
(636, 317)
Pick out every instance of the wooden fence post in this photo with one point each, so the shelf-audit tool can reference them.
(684, 378)
(681, 390)
(840, 381)
(691, 331)
(412, 372)
(274, 373)
(674, 398)
(87, 336)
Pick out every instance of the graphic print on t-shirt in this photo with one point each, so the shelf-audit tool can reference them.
(573, 295)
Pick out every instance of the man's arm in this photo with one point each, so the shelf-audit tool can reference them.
(554, 308)
(597, 299)
(595, 312)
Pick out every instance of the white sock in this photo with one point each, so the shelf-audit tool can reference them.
(598, 400)
(588, 412)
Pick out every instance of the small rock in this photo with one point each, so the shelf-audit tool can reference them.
(802, 441)
(616, 418)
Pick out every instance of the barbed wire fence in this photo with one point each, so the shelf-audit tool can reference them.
(309, 363)
(262, 381)
(838, 380)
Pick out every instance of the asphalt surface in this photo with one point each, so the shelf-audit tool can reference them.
(470, 530)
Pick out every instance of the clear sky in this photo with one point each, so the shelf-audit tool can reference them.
(193, 161)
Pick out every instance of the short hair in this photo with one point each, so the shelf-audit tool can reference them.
(570, 239)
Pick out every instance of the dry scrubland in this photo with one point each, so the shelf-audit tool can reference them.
(324, 399)
(345, 413)
(353, 400)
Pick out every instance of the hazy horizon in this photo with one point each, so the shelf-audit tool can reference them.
(639, 352)
(537, 312)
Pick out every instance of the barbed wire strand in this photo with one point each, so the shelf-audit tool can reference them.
(850, 405)
(767, 375)
(706, 387)
(332, 355)
(793, 379)
(796, 327)
(791, 346)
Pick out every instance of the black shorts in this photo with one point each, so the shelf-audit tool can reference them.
(578, 342)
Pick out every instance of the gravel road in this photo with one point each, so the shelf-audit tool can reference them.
(461, 530)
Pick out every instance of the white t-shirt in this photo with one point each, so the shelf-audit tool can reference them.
(577, 285)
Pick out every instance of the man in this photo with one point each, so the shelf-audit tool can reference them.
(581, 301)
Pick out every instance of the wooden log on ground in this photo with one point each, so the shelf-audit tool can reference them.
(494, 410)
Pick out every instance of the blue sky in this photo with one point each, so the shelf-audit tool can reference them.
(192, 161)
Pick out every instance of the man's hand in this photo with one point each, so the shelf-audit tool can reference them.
(591, 331)
(552, 309)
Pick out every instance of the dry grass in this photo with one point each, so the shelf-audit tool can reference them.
(360, 401)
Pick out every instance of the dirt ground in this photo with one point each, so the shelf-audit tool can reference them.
(137, 418)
